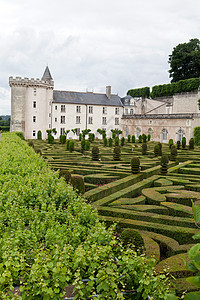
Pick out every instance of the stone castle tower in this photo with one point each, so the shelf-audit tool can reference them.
(31, 104)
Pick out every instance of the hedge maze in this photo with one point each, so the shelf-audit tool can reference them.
(158, 206)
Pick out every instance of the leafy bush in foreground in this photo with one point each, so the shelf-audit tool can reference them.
(51, 238)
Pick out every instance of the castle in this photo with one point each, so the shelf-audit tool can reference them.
(35, 105)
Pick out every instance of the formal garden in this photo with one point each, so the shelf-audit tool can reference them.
(125, 233)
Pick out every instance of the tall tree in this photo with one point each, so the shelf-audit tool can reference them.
(185, 61)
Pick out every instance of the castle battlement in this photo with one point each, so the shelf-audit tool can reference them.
(26, 82)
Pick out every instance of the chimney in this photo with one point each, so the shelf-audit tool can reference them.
(108, 91)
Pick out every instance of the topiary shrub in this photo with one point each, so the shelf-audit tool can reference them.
(105, 142)
(131, 236)
(122, 141)
(80, 137)
(20, 134)
(164, 164)
(83, 145)
(67, 144)
(129, 138)
(91, 137)
(144, 148)
(160, 149)
(87, 145)
(50, 138)
(110, 142)
(197, 136)
(116, 153)
(116, 141)
(156, 150)
(30, 143)
(39, 135)
(38, 151)
(62, 139)
(178, 145)
(148, 137)
(170, 143)
(144, 138)
(133, 138)
(78, 183)
(191, 144)
(183, 142)
(173, 153)
(140, 139)
(71, 146)
(95, 153)
(135, 165)
(66, 175)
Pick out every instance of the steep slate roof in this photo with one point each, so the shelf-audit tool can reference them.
(47, 74)
(85, 98)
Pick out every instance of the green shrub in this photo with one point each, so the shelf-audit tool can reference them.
(38, 151)
(31, 144)
(20, 134)
(164, 164)
(148, 137)
(129, 138)
(71, 146)
(78, 183)
(116, 141)
(122, 141)
(143, 92)
(83, 145)
(91, 137)
(160, 149)
(171, 143)
(156, 150)
(50, 138)
(183, 142)
(140, 139)
(135, 165)
(87, 145)
(66, 175)
(178, 145)
(173, 153)
(131, 236)
(144, 138)
(191, 144)
(133, 138)
(105, 142)
(116, 153)
(80, 137)
(110, 142)
(197, 136)
(67, 144)
(144, 148)
(62, 139)
(95, 153)
(39, 135)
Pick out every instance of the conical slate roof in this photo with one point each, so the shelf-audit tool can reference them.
(47, 74)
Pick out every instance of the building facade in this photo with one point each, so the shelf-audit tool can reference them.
(35, 105)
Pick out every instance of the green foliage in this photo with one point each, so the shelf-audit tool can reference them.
(105, 142)
(129, 138)
(130, 236)
(156, 150)
(116, 153)
(87, 145)
(50, 138)
(183, 142)
(148, 137)
(184, 61)
(95, 153)
(191, 144)
(71, 146)
(160, 149)
(77, 182)
(178, 145)
(65, 174)
(116, 141)
(173, 153)
(140, 138)
(144, 149)
(20, 134)
(31, 144)
(67, 144)
(75, 130)
(122, 141)
(80, 137)
(102, 132)
(83, 145)
(39, 135)
(91, 137)
(164, 164)
(110, 142)
(144, 138)
(133, 138)
(197, 136)
(62, 139)
(140, 92)
(135, 165)
(171, 142)
(115, 132)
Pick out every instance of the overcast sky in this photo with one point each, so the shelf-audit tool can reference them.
(89, 44)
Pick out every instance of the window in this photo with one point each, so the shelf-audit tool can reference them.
(56, 119)
(34, 92)
(90, 109)
(78, 131)
(138, 132)
(90, 120)
(180, 135)
(104, 110)
(126, 111)
(104, 121)
(62, 108)
(127, 131)
(78, 109)
(150, 131)
(62, 131)
(131, 111)
(34, 132)
(164, 135)
(78, 119)
(34, 104)
(62, 119)
(116, 121)
(56, 107)
(117, 110)
(34, 119)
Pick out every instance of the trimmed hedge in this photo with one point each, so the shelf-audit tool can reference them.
(140, 92)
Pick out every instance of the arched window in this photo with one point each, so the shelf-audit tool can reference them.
(127, 131)
(150, 131)
(138, 132)
(164, 135)
(131, 111)
(180, 134)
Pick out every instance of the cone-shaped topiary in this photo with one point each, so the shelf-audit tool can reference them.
(62, 139)
(80, 137)
(71, 146)
(129, 138)
(122, 141)
(164, 164)
(83, 145)
(173, 153)
(170, 143)
(183, 142)
(95, 153)
(144, 138)
(105, 142)
(67, 144)
(191, 144)
(148, 137)
(140, 139)
(160, 149)
(66, 175)
(156, 150)
(87, 145)
(133, 138)
(144, 148)
(110, 142)
(116, 153)
(135, 165)
(116, 141)
(178, 144)
(78, 183)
